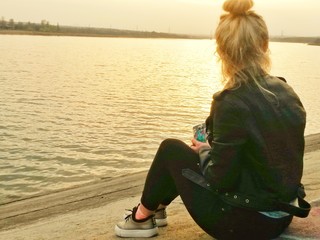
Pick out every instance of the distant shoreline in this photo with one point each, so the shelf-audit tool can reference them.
(112, 34)
(307, 40)
(137, 34)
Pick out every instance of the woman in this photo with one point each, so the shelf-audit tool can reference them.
(242, 183)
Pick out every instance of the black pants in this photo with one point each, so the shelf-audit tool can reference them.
(165, 182)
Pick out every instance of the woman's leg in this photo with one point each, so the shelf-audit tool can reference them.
(165, 182)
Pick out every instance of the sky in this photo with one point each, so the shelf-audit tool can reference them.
(283, 17)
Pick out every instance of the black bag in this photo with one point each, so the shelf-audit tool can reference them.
(241, 200)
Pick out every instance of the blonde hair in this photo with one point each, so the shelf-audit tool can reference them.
(242, 44)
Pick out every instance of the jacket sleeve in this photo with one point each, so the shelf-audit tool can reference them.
(222, 165)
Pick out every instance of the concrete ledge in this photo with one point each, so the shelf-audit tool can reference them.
(92, 195)
(90, 211)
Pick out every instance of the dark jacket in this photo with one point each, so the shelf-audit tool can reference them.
(257, 142)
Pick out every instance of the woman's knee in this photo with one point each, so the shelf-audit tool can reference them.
(171, 144)
(176, 149)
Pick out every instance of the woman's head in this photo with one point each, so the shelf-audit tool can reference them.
(242, 43)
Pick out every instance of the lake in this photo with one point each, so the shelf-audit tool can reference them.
(78, 109)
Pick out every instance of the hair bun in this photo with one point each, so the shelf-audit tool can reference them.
(237, 7)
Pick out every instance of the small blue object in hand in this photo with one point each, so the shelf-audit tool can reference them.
(199, 132)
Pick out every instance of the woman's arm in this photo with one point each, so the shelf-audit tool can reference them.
(223, 163)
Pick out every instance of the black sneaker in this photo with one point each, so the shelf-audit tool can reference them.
(133, 228)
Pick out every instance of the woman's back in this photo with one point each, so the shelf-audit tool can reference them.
(272, 127)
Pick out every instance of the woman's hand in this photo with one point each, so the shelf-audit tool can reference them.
(196, 145)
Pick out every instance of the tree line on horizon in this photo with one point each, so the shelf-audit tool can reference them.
(44, 27)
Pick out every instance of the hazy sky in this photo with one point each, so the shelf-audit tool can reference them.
(290, 17)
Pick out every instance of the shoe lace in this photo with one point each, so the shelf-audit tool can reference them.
(129, 215)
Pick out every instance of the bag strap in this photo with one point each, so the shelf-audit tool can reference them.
(240, 200)
(303, 208)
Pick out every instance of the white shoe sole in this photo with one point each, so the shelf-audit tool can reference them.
(137, 233)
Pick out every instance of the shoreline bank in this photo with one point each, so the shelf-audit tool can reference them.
(90, 211)
(314, 41)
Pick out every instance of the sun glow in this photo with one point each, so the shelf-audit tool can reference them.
(204, 2)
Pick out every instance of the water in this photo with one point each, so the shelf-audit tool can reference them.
(74, 110)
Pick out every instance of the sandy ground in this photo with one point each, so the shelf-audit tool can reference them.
(98, 224)
(90, 212)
